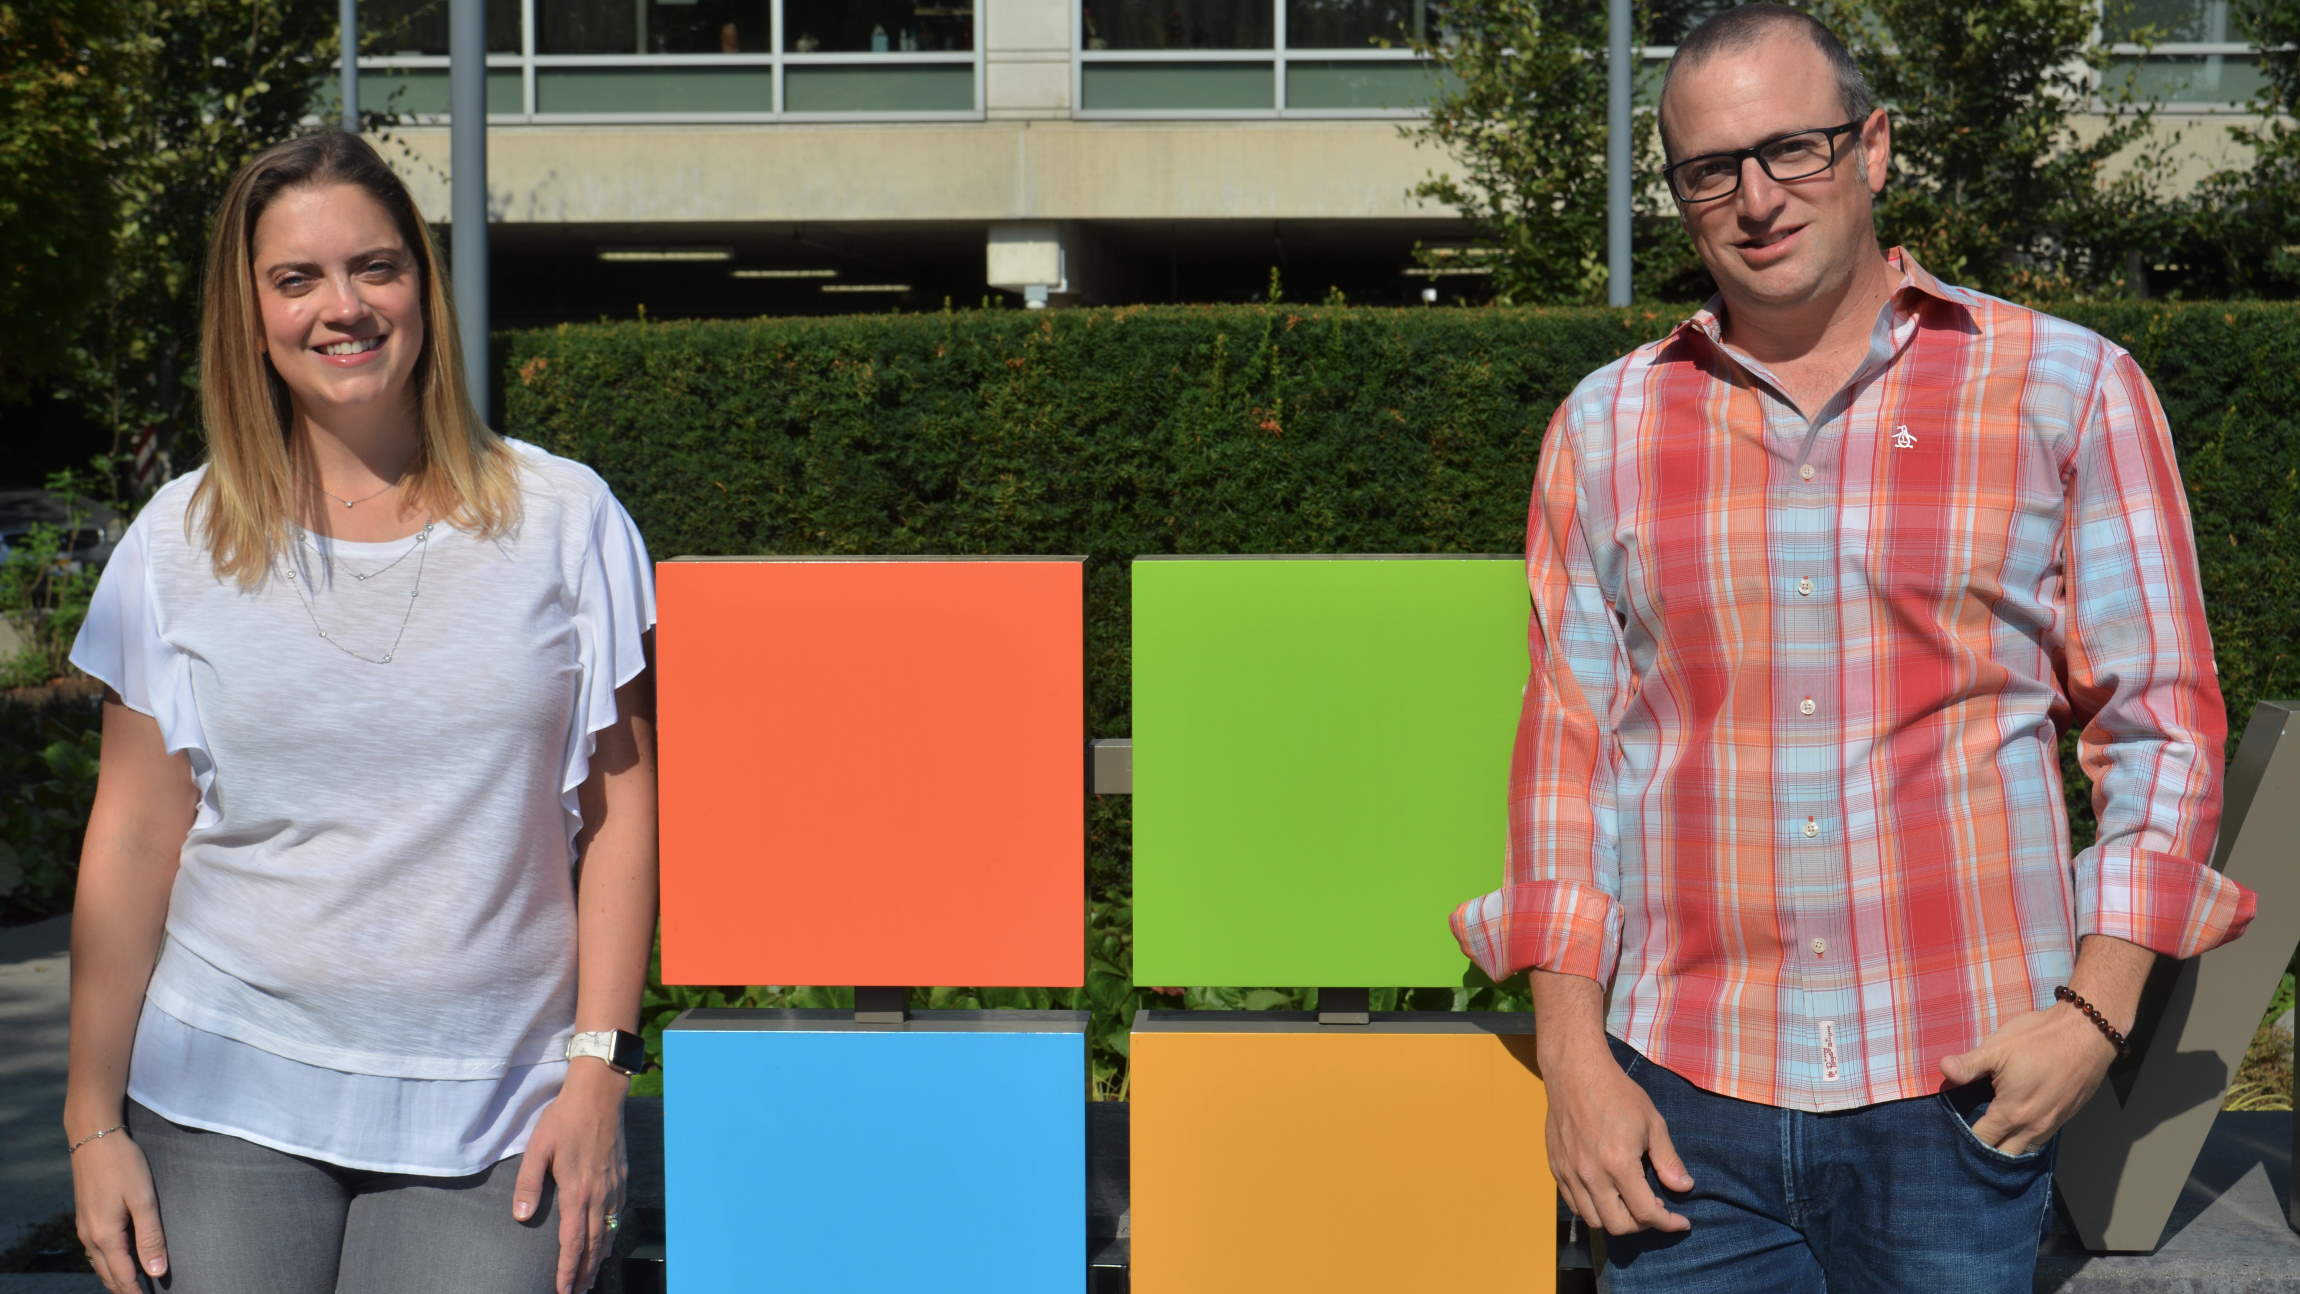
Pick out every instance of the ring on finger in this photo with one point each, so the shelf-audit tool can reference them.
(613, 1221)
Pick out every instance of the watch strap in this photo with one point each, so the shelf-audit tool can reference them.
(623, 1051)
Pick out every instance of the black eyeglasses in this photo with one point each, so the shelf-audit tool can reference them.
(1794, 156)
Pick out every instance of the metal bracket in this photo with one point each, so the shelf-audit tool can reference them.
(1111, 765)
(1345, 1006)
(881, 1005)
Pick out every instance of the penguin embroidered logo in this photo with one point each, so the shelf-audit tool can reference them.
(1902, 439)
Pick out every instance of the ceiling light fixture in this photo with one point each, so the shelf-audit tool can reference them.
(785, 274)
(866, 287)
(666, 253)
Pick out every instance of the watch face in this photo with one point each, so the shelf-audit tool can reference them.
(630, 1052)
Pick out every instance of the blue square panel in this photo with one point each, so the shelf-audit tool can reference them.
(806, 1152)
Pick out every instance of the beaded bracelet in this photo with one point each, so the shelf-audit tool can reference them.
(2064, 993)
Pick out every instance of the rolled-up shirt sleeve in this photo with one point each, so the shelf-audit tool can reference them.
(2139, 661)
(1556, 909)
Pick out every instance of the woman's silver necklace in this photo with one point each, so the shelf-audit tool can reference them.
(356, 575)
(361, 499)
(421, 547)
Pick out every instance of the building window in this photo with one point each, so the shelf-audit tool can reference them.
(1178, 24)
(2199, 58)
(1253, 58)
(1359, 24)
(2190, 55)
(701, 60)
(418, 28)
(654, 27)
(876, 27)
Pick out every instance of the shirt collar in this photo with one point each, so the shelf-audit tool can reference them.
(1915, 285)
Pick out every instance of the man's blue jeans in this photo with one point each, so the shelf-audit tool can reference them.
(1893, 1197)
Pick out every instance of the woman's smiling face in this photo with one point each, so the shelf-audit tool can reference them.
(342, 300)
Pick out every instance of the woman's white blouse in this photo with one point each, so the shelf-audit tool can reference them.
(370, 952)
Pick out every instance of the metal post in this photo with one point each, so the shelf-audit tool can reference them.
(881, 1004)
(347, 17)
(467, 119)
(1617, 71)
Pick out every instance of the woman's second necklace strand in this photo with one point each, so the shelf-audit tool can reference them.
(421, 547)
(359, 576)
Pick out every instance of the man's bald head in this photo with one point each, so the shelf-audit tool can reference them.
(1740, 28)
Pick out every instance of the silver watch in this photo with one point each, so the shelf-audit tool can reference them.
(624, 1052)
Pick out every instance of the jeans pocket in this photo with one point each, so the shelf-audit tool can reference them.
(1964, 1107)
(1624, 1055)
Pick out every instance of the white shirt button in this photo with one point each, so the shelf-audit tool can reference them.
(1812, 828)
(1805, 472)
(1805, 588)
(1820, 946)
(1805, 706)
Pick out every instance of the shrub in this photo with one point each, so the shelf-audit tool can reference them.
(1256, 429)
(48, 753)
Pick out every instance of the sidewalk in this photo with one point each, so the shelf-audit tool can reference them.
(35, 1181)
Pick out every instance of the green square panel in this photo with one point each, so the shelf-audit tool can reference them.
(1321, 764)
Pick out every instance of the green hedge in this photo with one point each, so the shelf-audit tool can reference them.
(1256, 429)
(1244, 430)
(49, 740)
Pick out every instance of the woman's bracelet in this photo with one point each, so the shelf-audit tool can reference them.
(2064, 993)
(97, 1135)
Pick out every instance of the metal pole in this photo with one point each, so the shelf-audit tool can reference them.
(347, 17)
(1618, 68)
(467, 121)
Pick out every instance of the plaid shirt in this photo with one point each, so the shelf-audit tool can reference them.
(1786, 776)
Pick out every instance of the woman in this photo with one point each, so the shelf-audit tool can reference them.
(374, 834)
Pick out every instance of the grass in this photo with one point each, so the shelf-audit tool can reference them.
(2264, 1080)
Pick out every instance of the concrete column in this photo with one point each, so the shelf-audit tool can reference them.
(1026, 59)
(1052, 263)
(1026, 258)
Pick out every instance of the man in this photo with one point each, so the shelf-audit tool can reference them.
(1817, 579)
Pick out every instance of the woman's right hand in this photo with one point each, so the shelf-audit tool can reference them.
(118, 1214)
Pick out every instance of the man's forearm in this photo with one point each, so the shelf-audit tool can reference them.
(2110, 973)
(1568, 1019)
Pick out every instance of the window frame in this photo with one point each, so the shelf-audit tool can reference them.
(529, 63)
(2126, 51)
(1275, 58)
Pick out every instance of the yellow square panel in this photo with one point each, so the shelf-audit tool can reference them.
(1273, 1155)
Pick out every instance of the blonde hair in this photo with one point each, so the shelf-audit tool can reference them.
(463, 472)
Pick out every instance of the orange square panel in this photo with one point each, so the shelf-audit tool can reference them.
(872, 770)
(1276, 1155)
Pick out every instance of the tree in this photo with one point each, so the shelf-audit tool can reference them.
(1523, 114)
(59, 63)
(2240, 231)
(1994, 186)
(205, 84)
(121, 123)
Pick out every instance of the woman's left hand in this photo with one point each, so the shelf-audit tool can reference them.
(579, 1142)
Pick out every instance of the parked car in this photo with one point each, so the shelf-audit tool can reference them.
(88, 542)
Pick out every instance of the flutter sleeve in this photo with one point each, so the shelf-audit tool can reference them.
(613, 610)
(123, 643)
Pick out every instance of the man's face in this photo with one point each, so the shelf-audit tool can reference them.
(1773, 243)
